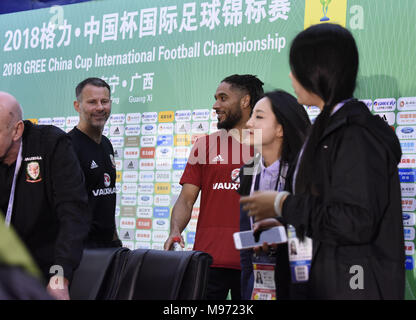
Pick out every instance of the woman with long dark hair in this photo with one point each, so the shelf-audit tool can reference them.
(346, 201)
(282, 126)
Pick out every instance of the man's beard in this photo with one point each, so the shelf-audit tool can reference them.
(231, 120)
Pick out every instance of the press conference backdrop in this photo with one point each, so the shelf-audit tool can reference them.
(164, 59)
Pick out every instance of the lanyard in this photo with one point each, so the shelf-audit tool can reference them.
(11, 198)
(279, 185)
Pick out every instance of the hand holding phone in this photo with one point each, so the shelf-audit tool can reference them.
(246, 239)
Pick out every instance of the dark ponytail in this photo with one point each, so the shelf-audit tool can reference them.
(324, 60)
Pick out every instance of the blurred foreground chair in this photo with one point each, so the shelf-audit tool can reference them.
(142, 274)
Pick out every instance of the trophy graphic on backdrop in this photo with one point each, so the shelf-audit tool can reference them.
(325, 4)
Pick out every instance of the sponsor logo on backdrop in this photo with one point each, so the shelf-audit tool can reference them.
(131, 141)
(200, 127)
(72, 121)
(406, 132)
(128, 200)
(106, 131)
(149, 117)
(126, 234)
(59, 122)
(165, 128)
(145, 200)
(127, 223)
(144, 212)
(146, 176)
(161, 212)
(325, 11)
(407, 175)
(118, 153)
(166, 116)
(183, 115)
(132, 130)
(45, 121)
(162, 200)
(145, 224)
(149, 129)
(406, 118)
(408, 146)
(190, 237)
(408, 219)
(409, 263)
(148, 141)
(147, 153)
(146, 188)
(133, 118)
(147, 164)
(408, 204)
(131, 164)
(162, 187)
(406, 104)
(116, 131)
(131, 153)
(117, 142)
(409, 233)
(127, 211)
(143, 235)
(176, 188)
(179, 164)
(164, 152)
(181, 152)
(408, 161)
(409, 248)
(183, 127)
(129, 187)
(384, 105)
(161, 224)
(182, 140)
(165, 140)
(163, 176)
(201, 115)
(408, 189)
(117, 118)
(160, 236)
(163, 164)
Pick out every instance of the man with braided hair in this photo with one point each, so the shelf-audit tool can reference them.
(213, 167)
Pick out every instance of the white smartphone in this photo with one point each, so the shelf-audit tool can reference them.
(245, 239)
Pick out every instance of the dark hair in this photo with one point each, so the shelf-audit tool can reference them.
(97, 82)
(249, 83)
(324, 60)
(294, 120)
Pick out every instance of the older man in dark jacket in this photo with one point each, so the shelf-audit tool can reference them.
(42, 190)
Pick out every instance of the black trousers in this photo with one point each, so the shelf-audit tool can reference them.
(221, 281)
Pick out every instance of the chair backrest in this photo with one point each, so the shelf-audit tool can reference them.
(142, 274)
(96, 265)
(165, 275)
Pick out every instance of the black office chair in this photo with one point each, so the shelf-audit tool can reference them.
(143, 274)
(165, 275)
(94, 278)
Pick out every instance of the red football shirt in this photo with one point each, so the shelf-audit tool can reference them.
(213, 165)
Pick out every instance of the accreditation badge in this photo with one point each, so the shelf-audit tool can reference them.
(300, 256)
(264, 287)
